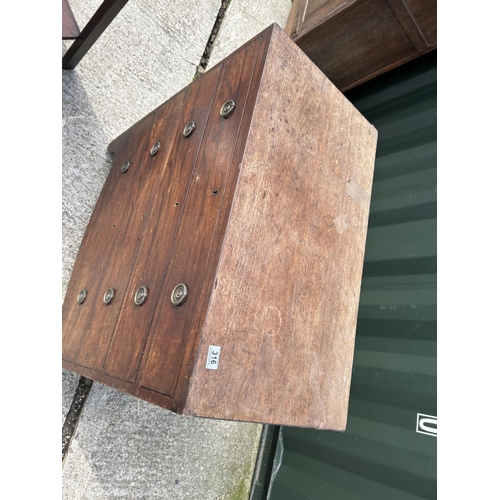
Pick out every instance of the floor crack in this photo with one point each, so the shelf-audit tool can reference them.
(69, 426)
(205, 58)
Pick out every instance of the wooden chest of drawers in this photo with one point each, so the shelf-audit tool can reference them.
(220, 272)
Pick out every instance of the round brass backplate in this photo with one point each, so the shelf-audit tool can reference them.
(179, 294)
(189, 129)
(108, 296)
(140, 295)
(227, 108)
(81, 297)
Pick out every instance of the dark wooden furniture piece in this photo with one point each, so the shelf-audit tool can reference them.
(352, 41)
(70, 29)
(230, 234)
(92, 31)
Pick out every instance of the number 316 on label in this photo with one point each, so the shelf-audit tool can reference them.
(213, 357)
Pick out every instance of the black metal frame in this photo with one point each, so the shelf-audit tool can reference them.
(92, 31)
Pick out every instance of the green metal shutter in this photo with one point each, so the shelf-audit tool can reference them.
(381, 456)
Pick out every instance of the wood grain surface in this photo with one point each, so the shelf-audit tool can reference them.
(285, 305)
(353, 41)
(424, 14)
(154, 256)
(171, 324)
(155, 226)
(209, 283)
(307, 15)
(146, 175)
(70, 29)
(107, 224)
(262, 215)
(408, 23)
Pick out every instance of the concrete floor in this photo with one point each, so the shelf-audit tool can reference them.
(124, 447)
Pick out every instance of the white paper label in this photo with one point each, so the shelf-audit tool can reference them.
(213, 357)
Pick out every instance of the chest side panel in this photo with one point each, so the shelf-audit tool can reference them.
(285, 307)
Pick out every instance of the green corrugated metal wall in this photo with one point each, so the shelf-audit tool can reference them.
(381, 456)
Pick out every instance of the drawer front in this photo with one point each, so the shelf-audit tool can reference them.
(153, 260)
(102, 243)
(172, 330)
(158, 224)
(146, 174)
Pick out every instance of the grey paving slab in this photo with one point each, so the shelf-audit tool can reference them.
(125, 448)
(243, 20)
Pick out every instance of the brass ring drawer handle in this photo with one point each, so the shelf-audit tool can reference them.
(140, 295)
(179, 294)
